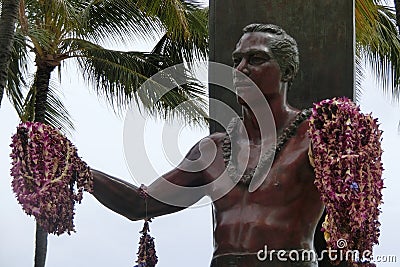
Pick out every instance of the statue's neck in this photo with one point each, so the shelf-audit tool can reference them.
(282, 114)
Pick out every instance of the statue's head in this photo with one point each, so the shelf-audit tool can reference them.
(283, 47)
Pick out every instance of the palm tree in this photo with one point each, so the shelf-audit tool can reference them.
(59, 30)
(378, 41)
(9, 14)
(55, 31)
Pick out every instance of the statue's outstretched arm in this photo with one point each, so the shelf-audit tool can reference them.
(125, 198)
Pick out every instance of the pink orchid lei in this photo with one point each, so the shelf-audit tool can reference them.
(146, 255)
(48, 176)
(346, 150)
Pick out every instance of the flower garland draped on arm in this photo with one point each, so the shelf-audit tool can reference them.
(346, 153)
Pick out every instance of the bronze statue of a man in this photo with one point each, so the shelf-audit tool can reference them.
(283, 212)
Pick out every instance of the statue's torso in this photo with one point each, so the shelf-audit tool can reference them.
(281, 214)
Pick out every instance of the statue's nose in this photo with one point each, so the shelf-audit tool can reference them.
(243, 66)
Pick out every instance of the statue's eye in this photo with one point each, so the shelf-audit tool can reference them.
(257, 60)
(236, 61)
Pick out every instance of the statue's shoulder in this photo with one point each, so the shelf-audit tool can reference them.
(217, 137)
(303, 129)
(208, 142)
(301, 125)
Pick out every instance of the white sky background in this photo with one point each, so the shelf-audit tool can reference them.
(105, 238)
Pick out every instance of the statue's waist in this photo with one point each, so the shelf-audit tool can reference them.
(273, 258)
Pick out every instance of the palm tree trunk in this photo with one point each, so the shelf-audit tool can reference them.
(40, 246)
(9, 14)
(397, 7)
(41, 84)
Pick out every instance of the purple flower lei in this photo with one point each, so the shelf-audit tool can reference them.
(48, 176)
(146, 253)
(346, 151)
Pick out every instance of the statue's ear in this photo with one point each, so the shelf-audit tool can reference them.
(288, 74)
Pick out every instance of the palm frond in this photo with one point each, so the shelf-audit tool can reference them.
(187, 49)
(41, 40)
(198, 27)
(117, 76)
(119, 20)
(360, 74)
(17, 72)
(171, 14)
(175, 93)
(379, 42)
(62, 17)
(56, 114)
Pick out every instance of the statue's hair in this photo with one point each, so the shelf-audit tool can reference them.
(283, 47)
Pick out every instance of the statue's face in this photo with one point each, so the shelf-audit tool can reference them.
(254, 58)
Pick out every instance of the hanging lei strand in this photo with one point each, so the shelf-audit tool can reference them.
(147, 253)
(267, 158)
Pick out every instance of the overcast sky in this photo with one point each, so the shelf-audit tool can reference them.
(104, 238)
